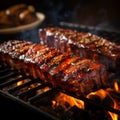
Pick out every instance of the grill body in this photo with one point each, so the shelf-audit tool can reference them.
(23, 95)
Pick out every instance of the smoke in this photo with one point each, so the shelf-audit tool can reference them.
(29, 35)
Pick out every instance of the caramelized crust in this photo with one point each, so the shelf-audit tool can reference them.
(74, 74)
(82, 44)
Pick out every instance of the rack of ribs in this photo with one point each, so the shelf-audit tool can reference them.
(82, 44)
(74, 74)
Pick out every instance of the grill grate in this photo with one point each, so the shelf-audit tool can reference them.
(21, 88)
(37, 95)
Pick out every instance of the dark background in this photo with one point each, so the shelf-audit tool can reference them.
(90, 12)
(104, 14)
(97, 13)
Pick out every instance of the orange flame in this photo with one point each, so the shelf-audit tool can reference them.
(102, 94)
(62, 98)
(115, 116)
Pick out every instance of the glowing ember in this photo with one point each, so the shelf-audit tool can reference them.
(19, 83)
(23, 81)
(116, 87)
(43, 90)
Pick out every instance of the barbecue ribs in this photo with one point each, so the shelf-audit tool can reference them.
(74, 74)
(83, 45)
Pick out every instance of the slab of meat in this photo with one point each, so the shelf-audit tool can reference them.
(82, 44)
(74, 74)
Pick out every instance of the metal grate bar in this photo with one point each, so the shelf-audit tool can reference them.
(13, 80)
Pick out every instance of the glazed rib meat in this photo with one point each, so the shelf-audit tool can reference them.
(82, 44)
(74, 74)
